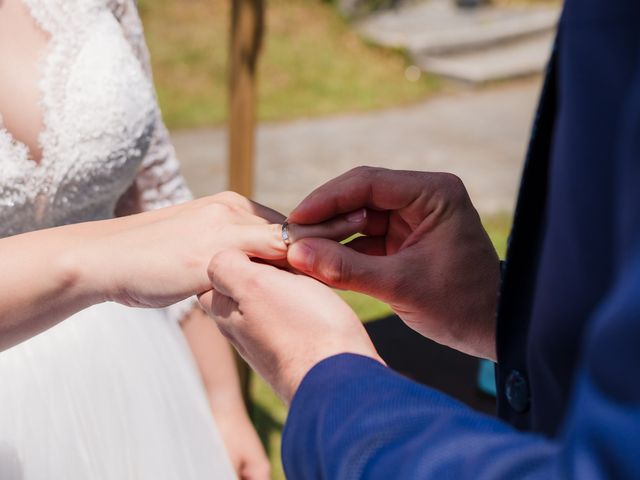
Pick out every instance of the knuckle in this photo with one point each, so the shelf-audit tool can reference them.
(275, 230)
(337, 271)
(207, 200)
(364, 171)
(219, 211)
(213, 267)
(451, 181)
(229, 197)
(453, 187)
(276, 243)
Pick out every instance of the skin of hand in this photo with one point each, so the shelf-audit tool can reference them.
(217, 368)
(243, 445)
(151, 259)
(425, 252)
(166, 258)
(281, 323)
(161, 256)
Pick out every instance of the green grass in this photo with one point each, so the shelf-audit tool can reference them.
(312, 63)
(498, 228)
(366, 308)
(269, 412)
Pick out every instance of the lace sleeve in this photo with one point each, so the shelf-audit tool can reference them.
(159, 182)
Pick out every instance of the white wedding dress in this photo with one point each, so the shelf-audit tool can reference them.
(113, 392)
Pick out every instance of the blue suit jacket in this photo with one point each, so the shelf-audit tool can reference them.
(569, 317)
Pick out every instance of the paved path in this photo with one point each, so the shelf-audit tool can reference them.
(480, 135)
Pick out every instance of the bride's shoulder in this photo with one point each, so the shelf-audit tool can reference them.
(121, 8)
(118, 7)
(62, 11)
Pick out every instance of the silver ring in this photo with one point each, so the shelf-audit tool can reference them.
(285, 233)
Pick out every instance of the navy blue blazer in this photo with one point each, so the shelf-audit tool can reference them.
(568, 328)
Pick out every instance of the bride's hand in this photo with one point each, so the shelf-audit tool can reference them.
(157, 258)
(243, 445)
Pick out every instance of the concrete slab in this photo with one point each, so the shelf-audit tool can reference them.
(516, 59)
(438, 26)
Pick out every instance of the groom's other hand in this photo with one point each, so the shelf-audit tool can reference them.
(280, 322)
(425, 252)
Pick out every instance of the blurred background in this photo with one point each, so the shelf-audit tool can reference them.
(437, 85)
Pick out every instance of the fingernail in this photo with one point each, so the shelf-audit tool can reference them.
(357, 216)
(301, 256)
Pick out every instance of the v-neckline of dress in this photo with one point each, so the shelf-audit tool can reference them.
(47, 74)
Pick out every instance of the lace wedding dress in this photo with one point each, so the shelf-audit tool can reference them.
(112, 393)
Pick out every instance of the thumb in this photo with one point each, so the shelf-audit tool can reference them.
(342, 267)
(229, 270)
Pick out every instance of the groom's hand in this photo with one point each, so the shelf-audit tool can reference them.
(425, 253)
(281, 323)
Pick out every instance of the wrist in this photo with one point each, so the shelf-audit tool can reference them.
(291, 383)
(227, 404)
(79, 273)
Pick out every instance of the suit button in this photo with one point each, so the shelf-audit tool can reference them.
(517, 391)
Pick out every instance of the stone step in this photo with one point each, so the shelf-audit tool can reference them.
(438, 26)
(519, 58)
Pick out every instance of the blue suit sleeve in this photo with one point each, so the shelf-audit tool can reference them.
(354, 418)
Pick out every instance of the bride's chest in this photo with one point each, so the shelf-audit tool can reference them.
(98, 111)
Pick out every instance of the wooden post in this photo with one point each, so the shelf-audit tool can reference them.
(247, 27)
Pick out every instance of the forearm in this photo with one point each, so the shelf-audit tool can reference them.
(215, 361)
(217, 367)
(43, 281)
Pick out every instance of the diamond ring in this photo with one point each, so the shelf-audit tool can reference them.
(285, 233)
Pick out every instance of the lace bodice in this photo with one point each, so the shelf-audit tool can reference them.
(104, 146)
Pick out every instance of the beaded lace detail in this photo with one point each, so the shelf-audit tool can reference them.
(104, 146)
